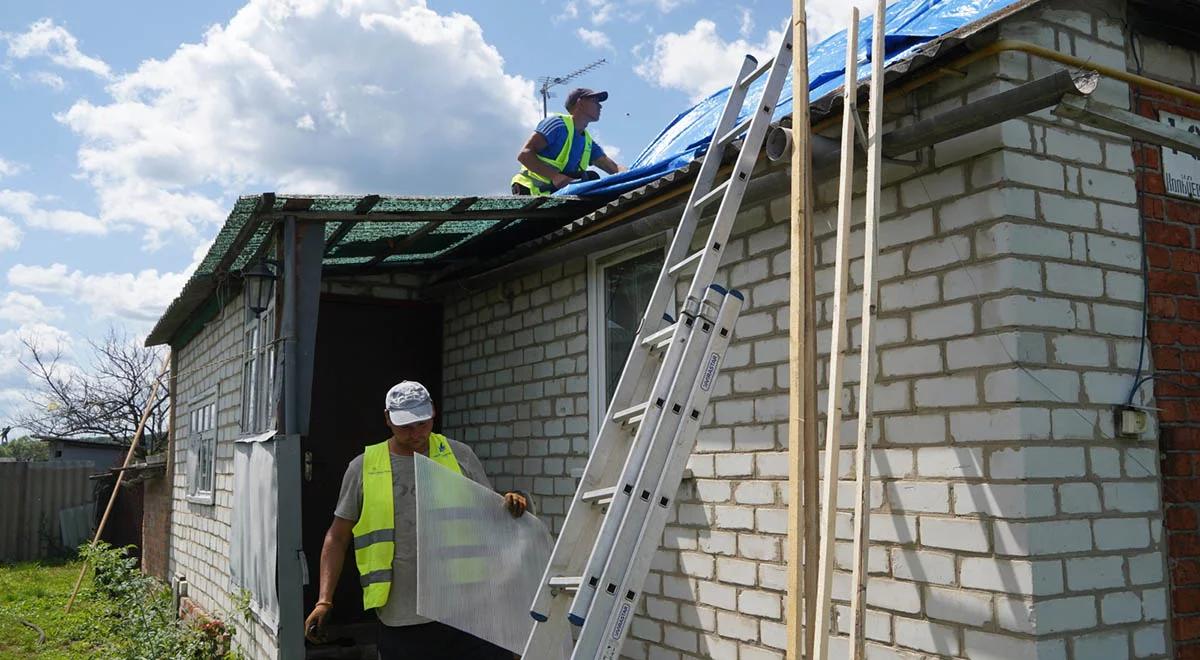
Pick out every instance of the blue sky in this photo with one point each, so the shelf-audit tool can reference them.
(131, 126)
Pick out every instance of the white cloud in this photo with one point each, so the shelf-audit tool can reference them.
(12, 348)
(31, 210)
(594, 38)
(10, 234)
(24, 308)
(138, 296)
(747, 22)
(699, 62)
(825, 17)
(45, 39)
(9, 168)
(570, 11)
(228, 113)
(51, 80)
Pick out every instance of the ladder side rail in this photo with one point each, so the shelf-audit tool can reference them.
(633, 494)
(615, 626)
(866, 379)
(581, 515)
(722, 225)
(833, 408)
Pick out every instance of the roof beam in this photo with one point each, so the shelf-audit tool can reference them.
(555, 213)
(398, 247)
(262, 209)
(363, 207)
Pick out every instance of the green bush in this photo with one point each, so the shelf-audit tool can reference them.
(149, 627)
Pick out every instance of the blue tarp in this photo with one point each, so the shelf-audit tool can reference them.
(909, 24)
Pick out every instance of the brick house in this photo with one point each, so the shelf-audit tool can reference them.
(1009, 518)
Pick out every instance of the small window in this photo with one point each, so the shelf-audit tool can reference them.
(620, 284)
(202, 445)
(258, 373)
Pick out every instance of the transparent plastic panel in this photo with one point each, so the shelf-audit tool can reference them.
(477, 566)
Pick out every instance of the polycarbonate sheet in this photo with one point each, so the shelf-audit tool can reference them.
(477, 566)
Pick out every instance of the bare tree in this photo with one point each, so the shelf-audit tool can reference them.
(106, 400)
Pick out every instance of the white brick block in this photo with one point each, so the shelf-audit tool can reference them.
(1030, 578)
(1107, 645)
(936, 254)
(950, 462)
(1120, 607)
(893, 529)
(1064, 614)
(1004, 501)
(1146, 569)
(736, 571)
(918, 496)
(945, 391)
(1002, 348)
(1024, 384)
(1072, 211)
(754, 492)
(1084, 351)
(926, 636)
(1019, 310)
(1015, 614)
(760, 603)
(1131, 497)
(737, 626)
(990, 646)
(1123, 286)
(1112, 186)
(1073, 146)
(1038, 463)
(1154, 604)
(987, 205)
(893, 595)
(1042, 538)
(942, 322)
(1107, 387)
(910, 360)
(1079, 498)
(1033, 171)
(955, 534)
(1121, 533)
(948, 182)
(1006, 238)
(915, 429)
(1003, 424)
(967, 607)
(717, 595)
(905, 294)
(1148, 641)
(1074, 280)
(922, 566)
(1095, 573)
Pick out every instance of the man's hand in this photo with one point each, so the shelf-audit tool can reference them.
(559, 180)
(515, 503)
(316, 621)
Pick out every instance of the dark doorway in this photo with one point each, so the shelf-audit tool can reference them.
(364, 346)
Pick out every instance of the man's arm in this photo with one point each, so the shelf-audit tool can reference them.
(528, 157)
(608, 165)
(333, 555)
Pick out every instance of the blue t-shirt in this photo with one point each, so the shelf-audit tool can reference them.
(555, 131)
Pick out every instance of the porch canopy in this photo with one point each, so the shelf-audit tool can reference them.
(363, 234)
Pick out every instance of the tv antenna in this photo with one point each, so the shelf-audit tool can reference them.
(548, 82)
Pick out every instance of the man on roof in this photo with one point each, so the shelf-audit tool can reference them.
(560, 151)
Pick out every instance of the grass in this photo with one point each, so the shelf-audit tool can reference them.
(37, 592)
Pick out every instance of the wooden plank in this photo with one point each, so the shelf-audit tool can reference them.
(398, 247)
(802, 468)
(338, 234)
(462, 205)
(365, 204)
(866, 374)
(833, 409)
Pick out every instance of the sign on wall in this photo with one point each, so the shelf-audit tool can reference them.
(1181, 171)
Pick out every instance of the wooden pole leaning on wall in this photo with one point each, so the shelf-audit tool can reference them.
(866, 380)
(802, 394)
(137, 436)
(838, 342)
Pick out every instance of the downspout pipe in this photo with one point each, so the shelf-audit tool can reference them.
(1017, 102)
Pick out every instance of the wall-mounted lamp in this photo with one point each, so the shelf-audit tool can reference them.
(260, 286)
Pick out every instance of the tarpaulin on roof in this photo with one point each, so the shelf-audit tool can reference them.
(909, 24)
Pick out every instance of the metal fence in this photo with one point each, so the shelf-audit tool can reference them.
(33, 497)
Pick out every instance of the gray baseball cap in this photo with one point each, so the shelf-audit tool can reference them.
(408, 402)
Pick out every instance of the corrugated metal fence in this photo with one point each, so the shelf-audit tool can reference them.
(32, 497)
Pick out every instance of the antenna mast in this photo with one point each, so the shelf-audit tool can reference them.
(552, 81)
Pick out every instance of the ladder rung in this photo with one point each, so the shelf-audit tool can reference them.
(566, 583)
(659, 339)
(711, 195)
(631, 414)
(600, 495)
(687, 263)
(737, 130)
(757, 73)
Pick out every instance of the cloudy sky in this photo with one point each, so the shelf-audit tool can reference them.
(130, 126)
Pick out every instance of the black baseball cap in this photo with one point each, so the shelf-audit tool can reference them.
(584, 92)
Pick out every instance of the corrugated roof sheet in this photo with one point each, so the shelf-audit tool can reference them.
(368, 232)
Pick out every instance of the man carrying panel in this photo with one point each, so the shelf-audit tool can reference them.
(376, 511)
(560, 151)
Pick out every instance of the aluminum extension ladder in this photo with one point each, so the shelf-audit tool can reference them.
(612, 530)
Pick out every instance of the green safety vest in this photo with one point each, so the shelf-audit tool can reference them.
(374, 533)
(540, 185)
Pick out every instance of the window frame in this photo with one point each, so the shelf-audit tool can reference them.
(598, 263)
(259, 353)
(202, 406)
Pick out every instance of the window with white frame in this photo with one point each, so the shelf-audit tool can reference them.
(620, 283)
(258, 372)
(202, 444)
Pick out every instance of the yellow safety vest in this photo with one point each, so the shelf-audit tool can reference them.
(374, 533)
(540, 185)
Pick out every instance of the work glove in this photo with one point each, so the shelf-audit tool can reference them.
(515, 503)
